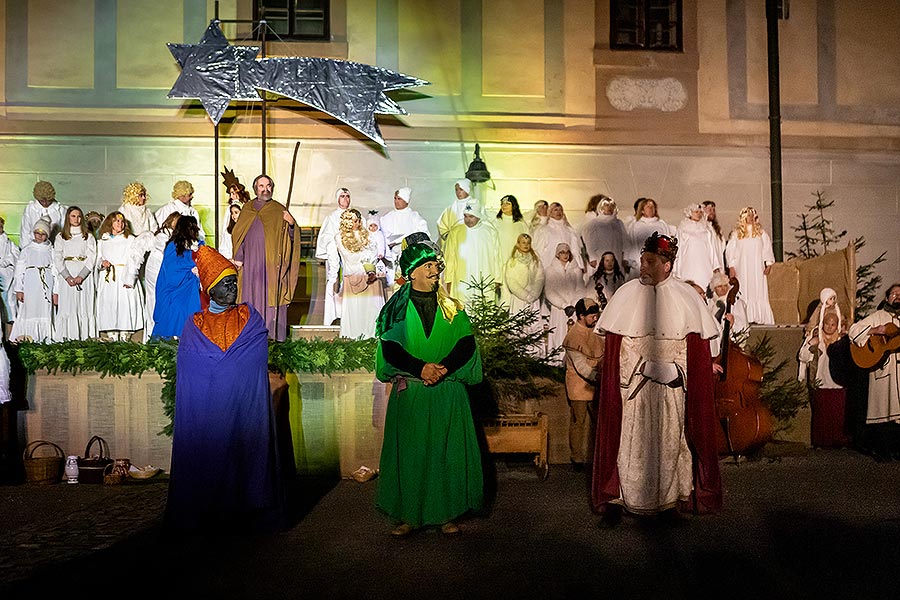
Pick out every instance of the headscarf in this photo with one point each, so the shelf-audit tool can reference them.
(465, 184)
(405, 193)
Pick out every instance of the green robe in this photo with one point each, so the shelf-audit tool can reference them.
(430, 470)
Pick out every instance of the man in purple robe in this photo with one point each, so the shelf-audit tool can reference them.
(267, 254)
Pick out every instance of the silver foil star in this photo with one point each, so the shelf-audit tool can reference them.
(215, 72)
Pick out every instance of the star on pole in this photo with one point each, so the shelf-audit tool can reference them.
(215, 72)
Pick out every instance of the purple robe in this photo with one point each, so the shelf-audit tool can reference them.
(255, 282)
(225, 471)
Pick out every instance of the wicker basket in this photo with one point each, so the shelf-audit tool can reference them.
(91, 467)
(43, 469)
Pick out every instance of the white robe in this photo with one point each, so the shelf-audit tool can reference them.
(696, 258)
(638, 232)
(604, 233)
(749, 257)
(397, 224)
(150, 248)
(563, 286)
(508, 232)
(180, 207)
(327, 250)
(9, 254)
(35, 279)
(523, 285)
(471, 254)
(453, 215)
(75, 314)
(884, 383)
(556, 231)
(141, 218)
(56, 212)
(360, 303)
(118, 308)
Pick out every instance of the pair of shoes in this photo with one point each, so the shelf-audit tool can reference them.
(612, 516)
(402, 530)
(450, 528)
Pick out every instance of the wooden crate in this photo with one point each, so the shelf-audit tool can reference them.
(520, 433)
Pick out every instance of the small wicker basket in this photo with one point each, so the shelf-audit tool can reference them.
(43, 469)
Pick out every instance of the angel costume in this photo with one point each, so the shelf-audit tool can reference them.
(360, 301)
(697, 257)
(75, 257)
(471, 254)
(604, 233)
(523, 283)
(563, 287)
(749, 257)
(34, 278)
(638, 232)
(9, 254)
(508, 234)
(119, 308)
(557, 231)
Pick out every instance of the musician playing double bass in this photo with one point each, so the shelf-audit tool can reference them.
(735, 315)
(884, 382)
(656, 449)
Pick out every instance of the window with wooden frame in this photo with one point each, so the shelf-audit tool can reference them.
(295, 19)
(645, 25)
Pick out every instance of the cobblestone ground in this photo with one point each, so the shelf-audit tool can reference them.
(50, 524)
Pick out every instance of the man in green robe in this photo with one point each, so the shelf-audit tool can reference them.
(430, 472)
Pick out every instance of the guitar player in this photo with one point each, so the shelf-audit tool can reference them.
(880, 333)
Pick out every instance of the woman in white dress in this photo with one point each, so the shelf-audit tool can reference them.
(509, 224)
(523, 280)
(563, 286)
(362, 295)
(697, 259)
(237, 196)
(120, 300)
(539, 215)
(9, 254)
(34, 285)
(646, 221)
(151, 245)
(750, 258)
(74, 257)
(555, 231)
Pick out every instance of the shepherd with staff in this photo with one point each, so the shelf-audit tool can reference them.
(267, 255)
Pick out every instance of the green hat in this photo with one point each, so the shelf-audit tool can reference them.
(418, 254)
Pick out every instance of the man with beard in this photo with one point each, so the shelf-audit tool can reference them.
(430, 469)
(656, 449)
(267, 254)
(225, 464)
(882, 420)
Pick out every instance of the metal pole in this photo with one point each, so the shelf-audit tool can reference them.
(216, 167)
(263, 27)
(774, 128)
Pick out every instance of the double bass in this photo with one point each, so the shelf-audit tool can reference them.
(747, 424)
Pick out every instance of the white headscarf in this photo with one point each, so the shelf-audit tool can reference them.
(405, 193)
(465, 184)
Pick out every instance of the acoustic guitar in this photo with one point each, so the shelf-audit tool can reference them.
(876, 348)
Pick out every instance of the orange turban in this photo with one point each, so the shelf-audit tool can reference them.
(212, 267)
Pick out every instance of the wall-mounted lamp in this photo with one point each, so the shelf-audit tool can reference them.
(477, 172)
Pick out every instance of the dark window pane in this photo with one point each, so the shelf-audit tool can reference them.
(295, 19)
(645, 24)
